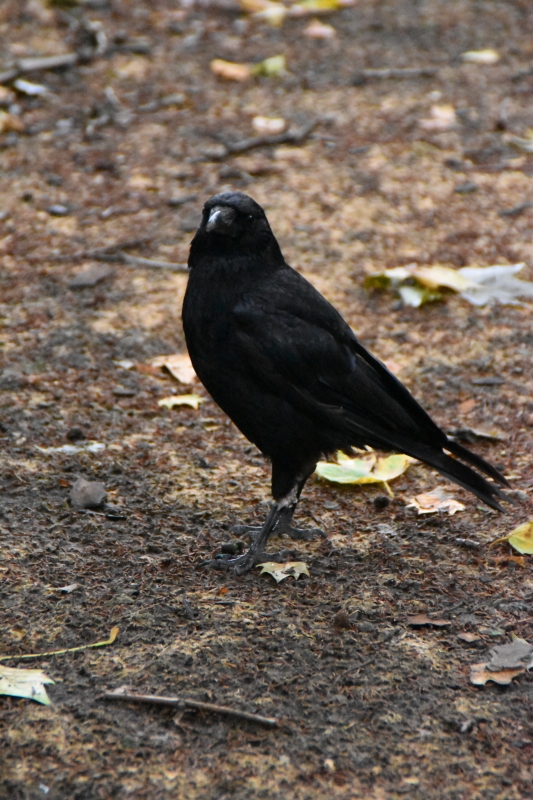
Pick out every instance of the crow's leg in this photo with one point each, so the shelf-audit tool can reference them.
(281, 511)
(283, 526)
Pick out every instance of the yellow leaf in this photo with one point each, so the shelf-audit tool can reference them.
(436, 276)
(27, 683)
(288, 569)
(367, 469)
(273, 13)
(192, 400)
(520, 538)
(230, 70)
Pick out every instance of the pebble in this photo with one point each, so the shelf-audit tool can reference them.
(87, 494)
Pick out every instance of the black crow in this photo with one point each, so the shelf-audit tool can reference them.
(289, 371)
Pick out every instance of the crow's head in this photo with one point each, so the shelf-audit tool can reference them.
(234, 224)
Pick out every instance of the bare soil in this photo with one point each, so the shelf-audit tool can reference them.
(369, 707)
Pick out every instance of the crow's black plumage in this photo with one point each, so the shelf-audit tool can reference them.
(289, 371)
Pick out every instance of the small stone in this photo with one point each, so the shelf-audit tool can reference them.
(90, 277)
(58, 210)
(341, 620)
(75, 435)
(87, 494)
(466, 188)
(381, 502)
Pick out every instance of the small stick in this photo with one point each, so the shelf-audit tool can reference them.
(270, 722)
(109, 253)
(399, 74)
(25, 65)
(137, 261)
(291, 136)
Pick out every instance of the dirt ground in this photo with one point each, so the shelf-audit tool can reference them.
(125, 141)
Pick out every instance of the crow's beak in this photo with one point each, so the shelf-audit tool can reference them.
(220, 219)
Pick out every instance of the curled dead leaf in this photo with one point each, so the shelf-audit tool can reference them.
(479, 675)
(192, 400)
(438, 500)
(287, 569)
(421, 620)
(178, 364)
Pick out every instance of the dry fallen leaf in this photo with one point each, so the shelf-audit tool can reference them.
(319, 30)
(268, 125)
(488, 56)
(178, 364)
(192, 400)
(288, 569)
(495, 284)
(27, 683)
(479, 675)
(230, 70)
(506, 661)
(435, 501)
(468, 637)
(10, 122)
(420, 620)
(516, 655)
(441, 118)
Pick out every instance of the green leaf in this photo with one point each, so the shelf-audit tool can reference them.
(27, 683)
(368, 469)
(270, 67)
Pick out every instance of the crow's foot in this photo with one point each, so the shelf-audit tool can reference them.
(242, 564)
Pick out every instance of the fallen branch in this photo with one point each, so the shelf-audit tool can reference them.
(180, 702)
(292, 136)
(24, 65)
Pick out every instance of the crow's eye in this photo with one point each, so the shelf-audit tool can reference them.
(250, 216)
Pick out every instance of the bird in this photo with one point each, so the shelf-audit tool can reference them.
(291, 374)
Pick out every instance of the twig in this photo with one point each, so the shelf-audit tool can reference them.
(292, 136)
(110, 252)
(397, 73)
(137, 261)
(25, 65)
(270, 722)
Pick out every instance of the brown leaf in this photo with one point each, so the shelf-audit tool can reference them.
(420, 620)
(465, 636)
(479, 675)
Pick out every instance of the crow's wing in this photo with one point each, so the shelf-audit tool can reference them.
(299, 347)
(293, 339)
